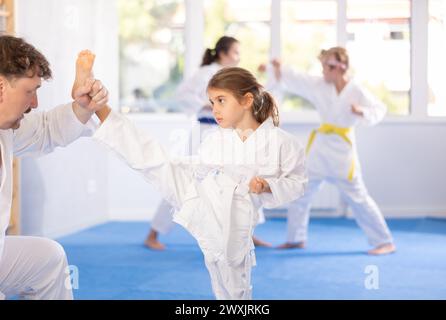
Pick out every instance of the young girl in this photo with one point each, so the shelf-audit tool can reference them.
(342, 105)
(192, 96)
(247, 163)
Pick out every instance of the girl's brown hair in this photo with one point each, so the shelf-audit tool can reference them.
(240, 82)
(222, 46)
(339, 53)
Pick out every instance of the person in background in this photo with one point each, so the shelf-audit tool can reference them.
(332, 156)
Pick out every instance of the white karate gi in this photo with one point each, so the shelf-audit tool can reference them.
(330, 157)
(33, 267)
(192, 96)
(210, 190)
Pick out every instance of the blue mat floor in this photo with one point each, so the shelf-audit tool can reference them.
(112, 263)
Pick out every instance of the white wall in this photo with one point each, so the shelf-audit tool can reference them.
(404, 167)
(67, 190)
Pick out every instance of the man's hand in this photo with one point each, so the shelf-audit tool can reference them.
(258, 185)
(88, 99)
(357, 110)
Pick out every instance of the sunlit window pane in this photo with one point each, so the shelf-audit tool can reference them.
(379, 47)
(437, 58)
(151, 53)
(307, 27)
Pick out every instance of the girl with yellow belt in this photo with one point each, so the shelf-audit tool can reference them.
(331, 150)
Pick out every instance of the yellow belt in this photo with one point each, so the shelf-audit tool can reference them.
(327, 128)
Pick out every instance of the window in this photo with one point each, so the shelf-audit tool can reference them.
(377, 34)
(437, 58)
(307, 27)
(379, 47)
(151, 53)
(248, 21)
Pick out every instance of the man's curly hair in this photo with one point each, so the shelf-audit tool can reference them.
(20, 59)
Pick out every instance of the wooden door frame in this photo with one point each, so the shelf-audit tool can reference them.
(7, 12)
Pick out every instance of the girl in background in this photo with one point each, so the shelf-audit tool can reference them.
(331, 150)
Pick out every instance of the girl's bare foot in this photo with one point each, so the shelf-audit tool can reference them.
(152, 241)
(261, 243)
(84, 69)
(292, 245)
(383, 249)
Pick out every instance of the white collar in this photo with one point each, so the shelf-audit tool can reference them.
(268, 124)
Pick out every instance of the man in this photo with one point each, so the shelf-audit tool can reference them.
(34, 267)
